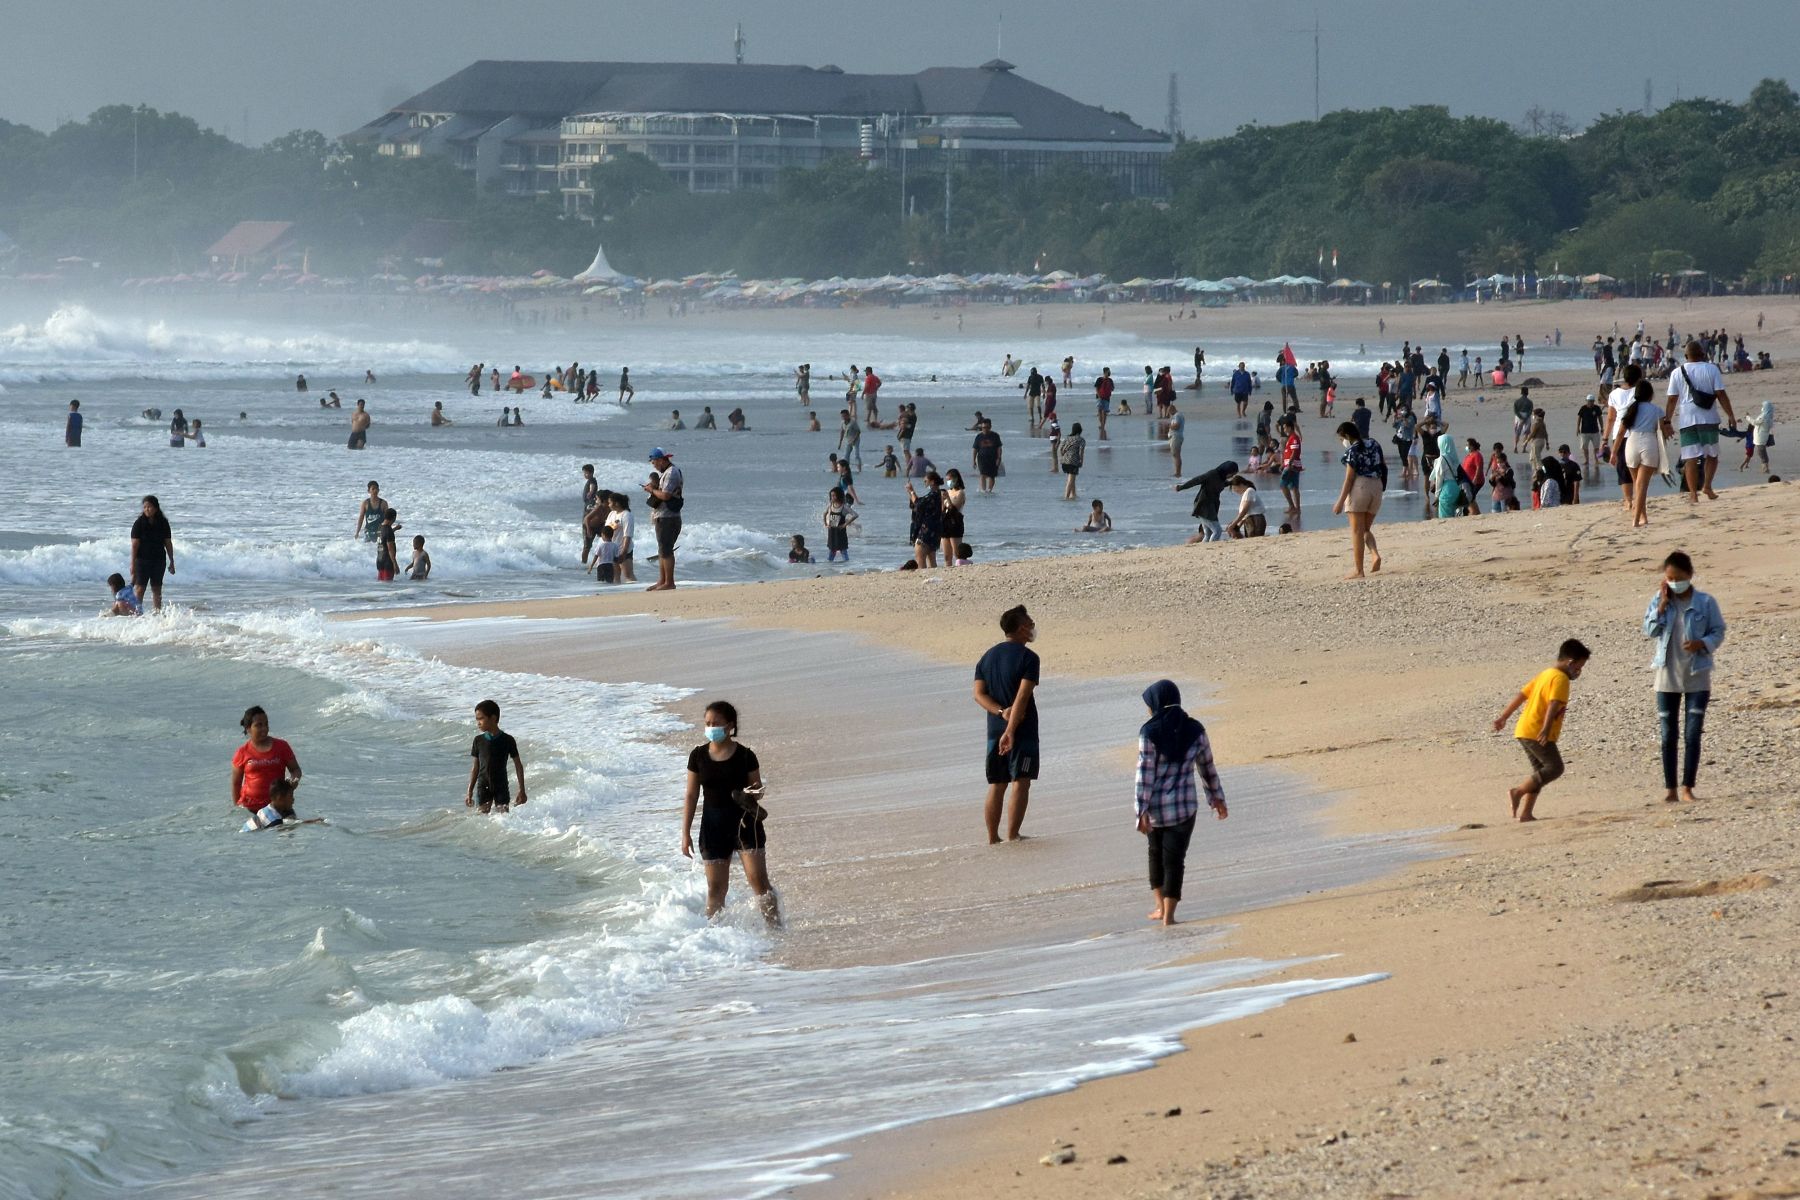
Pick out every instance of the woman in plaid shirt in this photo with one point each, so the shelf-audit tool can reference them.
(1171, 745)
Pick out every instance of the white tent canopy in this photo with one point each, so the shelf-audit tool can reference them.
(601, 271)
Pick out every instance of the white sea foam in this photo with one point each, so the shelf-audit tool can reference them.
(493, 531)
(534, 999)
(75, 343)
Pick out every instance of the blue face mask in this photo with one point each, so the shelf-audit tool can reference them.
(1678, 586)
(716, 733)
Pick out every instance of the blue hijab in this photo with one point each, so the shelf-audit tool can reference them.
(1169, 728)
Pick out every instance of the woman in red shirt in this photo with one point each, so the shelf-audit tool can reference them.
(259, 762)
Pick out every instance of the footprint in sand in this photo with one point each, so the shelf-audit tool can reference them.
(1682, 889)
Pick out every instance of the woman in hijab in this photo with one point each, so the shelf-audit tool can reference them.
(1171, 745)
(1212, 485)
(1445, 477)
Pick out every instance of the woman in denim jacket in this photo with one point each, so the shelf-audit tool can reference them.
(1688, 628)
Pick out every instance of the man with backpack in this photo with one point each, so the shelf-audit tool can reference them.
(1699, 394)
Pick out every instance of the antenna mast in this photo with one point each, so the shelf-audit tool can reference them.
(737, 44)
(1173, 126)
(1315, 64)
(1315, 31)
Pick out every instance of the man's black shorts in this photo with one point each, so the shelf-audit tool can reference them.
(667, 530)
(1022, 763)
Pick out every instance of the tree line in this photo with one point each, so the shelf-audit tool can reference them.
(1398, 194)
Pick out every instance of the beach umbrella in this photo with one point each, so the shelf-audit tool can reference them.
(1598, 278)
(1304, 281)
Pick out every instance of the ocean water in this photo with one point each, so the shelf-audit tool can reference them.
(362, 998)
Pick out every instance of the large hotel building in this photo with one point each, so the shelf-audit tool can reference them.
(538, 128)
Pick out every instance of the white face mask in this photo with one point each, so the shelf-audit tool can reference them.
(1680, 586)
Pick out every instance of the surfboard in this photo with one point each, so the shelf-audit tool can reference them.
(523, 383)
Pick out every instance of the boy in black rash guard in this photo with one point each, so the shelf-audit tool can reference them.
(487, 762)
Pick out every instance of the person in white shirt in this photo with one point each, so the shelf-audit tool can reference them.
(623, 523)
(1642, 429)
(1617, 401)
(1699, 394)
(1252, 520)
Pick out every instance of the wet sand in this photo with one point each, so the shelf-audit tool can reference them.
(1518, 985)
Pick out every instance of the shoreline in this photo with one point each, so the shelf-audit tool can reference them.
(1430, 924)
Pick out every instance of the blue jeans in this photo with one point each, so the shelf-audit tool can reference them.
(1670, 708)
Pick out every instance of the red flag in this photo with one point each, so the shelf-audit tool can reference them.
(1287, 355)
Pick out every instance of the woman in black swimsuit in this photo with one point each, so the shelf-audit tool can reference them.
(731, 819)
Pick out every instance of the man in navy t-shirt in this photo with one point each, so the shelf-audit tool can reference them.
(1006, 681)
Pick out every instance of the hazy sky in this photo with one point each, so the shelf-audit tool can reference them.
(334, 64)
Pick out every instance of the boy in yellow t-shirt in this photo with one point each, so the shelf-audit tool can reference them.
(1543, 701)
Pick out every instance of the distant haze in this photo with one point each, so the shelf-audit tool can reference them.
(334, 64)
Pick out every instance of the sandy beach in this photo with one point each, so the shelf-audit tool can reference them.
(1561, 1016)
(1367, 882)
(1538, 1033)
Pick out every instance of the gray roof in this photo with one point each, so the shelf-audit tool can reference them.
(544, 91)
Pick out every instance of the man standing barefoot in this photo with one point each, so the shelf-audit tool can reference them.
(666, 500)
(1006, 681)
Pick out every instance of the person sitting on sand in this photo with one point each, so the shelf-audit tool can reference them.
(1544, 701)
(708, 421)
(812, 421)
(674, 422)
(734, 421)
(1172, 749)
(1097, 522)
(437, 414)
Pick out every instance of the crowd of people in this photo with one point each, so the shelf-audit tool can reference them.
(1630, 428)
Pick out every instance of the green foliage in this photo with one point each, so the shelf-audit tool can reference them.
(1399, 193)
